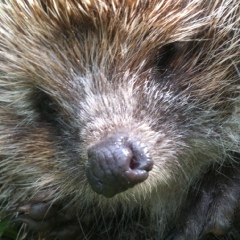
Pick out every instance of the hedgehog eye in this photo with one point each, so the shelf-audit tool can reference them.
(165, 57)
(46, 107)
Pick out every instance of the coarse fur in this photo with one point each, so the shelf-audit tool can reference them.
(73, 72)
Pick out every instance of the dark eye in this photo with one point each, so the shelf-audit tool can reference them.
(46, 107)
(166, 57)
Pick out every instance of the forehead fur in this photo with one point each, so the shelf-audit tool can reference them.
(91, 29)
(59, 39)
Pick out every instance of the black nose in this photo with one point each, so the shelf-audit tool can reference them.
(116, 164)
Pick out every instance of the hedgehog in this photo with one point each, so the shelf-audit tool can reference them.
(119, 119)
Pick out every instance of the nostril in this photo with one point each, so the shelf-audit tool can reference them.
(139, 159)
(134, 164)
(116, 164)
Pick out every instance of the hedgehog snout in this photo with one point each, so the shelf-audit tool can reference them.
(116, 164)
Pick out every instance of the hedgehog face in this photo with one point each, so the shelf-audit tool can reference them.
(141, 77)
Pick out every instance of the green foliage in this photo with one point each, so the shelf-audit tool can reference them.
(7, 231)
